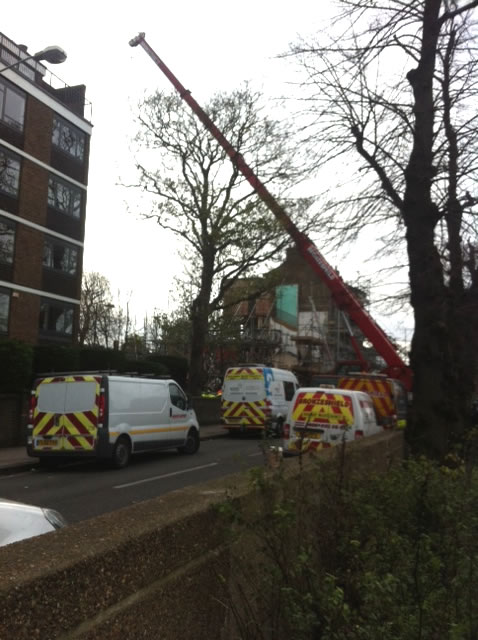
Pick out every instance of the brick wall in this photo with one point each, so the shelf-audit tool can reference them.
(156, 569)
(24, 316)
(38, 129)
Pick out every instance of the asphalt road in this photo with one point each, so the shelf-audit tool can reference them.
(83, 490)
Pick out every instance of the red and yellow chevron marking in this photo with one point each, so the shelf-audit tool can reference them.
(74, 431)
(244, 373)
(246, 413)
(78, 443)
(326, 409)
(304, 445)
(378, 390)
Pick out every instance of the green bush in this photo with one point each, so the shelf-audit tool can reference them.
(52, 358)
(21, 363)
(99, 358)
(176, 366)
(389, 557)
(144, 367)
(16, 370)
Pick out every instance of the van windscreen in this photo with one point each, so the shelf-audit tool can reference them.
(66, 397)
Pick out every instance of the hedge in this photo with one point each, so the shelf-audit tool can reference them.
(21, 363)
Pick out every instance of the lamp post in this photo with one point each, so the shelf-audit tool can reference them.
(53, 55)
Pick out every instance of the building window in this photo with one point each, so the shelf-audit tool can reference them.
(4, 310)
(56, 317)
(64, 197)
(7, 240)
(12, 106)
(68, 138)
(9, 172)
(60, 256)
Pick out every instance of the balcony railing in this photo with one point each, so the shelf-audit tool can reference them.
(38, 74)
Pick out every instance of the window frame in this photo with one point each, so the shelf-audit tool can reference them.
(16, 158)
(177, 396)
(79, 136)
(54, 242)
(53, 182)
(9, 224)
(65, 307)
(8, 294)
(16, 125)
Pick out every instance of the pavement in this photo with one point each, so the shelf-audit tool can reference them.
(15, 459)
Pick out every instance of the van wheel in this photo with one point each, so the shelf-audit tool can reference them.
(121, 453)
(192, 443)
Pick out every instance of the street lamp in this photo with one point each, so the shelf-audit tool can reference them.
(53, 55)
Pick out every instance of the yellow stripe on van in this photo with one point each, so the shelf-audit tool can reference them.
(138, 431)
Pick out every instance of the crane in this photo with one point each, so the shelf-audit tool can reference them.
(342, 296)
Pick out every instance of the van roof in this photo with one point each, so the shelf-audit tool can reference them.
(335, 390)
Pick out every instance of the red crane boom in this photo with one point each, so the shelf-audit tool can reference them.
(344, 299)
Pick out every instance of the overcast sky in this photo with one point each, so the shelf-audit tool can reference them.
(210, 45)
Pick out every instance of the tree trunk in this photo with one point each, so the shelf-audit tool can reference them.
(199, 329)
(200, 324)
(440, 359)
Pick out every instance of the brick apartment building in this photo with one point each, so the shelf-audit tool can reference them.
(44, 149)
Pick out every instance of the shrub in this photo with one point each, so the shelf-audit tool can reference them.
(176, 366)
(99, 358)
(16, 370)
(145, 367)
(51, 358)
(393, 556)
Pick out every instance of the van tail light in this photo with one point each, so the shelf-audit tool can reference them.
(101, 409)
(286, 430)
(358, 434)
(31, 409)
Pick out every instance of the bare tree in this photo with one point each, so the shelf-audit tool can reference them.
(98, 319)
(201, 197)
(394, 97)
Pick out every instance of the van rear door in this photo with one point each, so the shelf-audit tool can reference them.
(244, 401)
(322, 416)
(65, 414)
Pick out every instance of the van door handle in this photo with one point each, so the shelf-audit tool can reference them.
(170, 412)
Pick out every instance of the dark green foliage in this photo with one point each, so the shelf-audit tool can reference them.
(144, 367)
(99, 358)
(175, 365)
(393, 557)
(21, 363)
(49, 358)
(16, 370)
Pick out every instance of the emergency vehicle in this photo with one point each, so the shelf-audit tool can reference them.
(108, 417)
(256, 397)
(389, 396)
(322, 417)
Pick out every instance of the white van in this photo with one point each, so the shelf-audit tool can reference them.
(256, 397)
(322, 417)
(108, 416)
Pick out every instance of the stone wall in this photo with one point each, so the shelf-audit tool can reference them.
(157, 569)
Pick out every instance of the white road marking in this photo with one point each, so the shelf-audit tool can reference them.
(165, 475)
